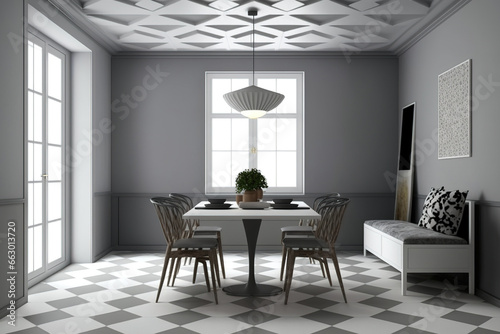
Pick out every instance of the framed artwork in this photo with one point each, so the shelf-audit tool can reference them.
(404, 180)
(454, 96)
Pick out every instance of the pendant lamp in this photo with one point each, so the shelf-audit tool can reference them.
(253, 101)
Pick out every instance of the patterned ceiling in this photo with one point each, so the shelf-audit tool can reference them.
(281, 25)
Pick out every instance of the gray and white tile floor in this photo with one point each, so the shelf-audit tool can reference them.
(117, 293)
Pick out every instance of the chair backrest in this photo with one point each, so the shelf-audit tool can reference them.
(184, 198)
(332, 213)
(170, 216)
(321, 199)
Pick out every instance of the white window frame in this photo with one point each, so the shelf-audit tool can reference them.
(299, 116)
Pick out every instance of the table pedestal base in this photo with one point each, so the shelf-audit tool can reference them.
(252, 227)
(257, 290)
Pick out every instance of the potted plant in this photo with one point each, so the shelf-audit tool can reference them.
(250, 181)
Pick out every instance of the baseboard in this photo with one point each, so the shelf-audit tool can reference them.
(487, 297)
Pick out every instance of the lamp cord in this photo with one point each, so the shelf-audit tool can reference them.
(253, 50)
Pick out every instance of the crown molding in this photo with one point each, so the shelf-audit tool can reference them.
(247, 54)
(427, 28)
(72, 10)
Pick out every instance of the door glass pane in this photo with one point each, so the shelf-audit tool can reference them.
(54, 163)
(54, 122)
(267, 165)
(30, 249)
(287, 87)
(219, 88)
(221, 169)
(30, 203)
(287, 169)
(239, 131)
(37, 162)
(54, 76)
(266, 133)
(37, 117)
(54, 241)
(30, 65)
(54, 201)
(30, 162)
(30, 116)
(286, 129)
(37, 247)
(221, 134)
(37, 68)
(37, 203)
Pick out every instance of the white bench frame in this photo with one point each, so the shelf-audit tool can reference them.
(423, 258)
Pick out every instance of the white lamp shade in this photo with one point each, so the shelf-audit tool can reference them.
(253, 101)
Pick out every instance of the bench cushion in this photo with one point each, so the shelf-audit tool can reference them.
(410, 233)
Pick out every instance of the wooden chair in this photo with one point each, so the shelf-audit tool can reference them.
(303, 230)
(202, 231)
(178, 247)
(321, 246)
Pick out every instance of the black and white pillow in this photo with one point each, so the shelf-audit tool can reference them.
(442, 211)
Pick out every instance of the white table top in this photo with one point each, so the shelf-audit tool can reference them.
(235, 212)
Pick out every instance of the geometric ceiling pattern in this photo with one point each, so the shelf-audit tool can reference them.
(281, 25)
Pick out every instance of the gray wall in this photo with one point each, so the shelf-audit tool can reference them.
(351, 133)
(471, 33)
(12, 147)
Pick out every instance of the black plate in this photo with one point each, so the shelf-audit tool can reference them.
(282, 200)
(218, 206)
(216, 200)
(284, 206)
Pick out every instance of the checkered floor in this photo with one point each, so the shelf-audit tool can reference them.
(117, 293)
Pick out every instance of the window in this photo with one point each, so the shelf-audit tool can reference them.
(273, 143)
(46, 176)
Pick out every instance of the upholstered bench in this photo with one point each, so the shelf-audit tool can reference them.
(410, 248)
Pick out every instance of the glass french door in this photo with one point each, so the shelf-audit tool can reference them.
(45, 173)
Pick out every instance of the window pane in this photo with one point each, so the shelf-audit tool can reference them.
(37, 203)
(30, 203)
(37, 68)
(37, 117)
(54, 122)
(239, 163)
(54, 199)
(30, 115)
(30, 250)
(221, 134)
(54, 241)
(239, 131)
(30, 162)
(37, 247)
(287, 134)
(30, 65)
(219, 88)
(267, 165)
(266, 133)
(221, 169)
(54, 163)
(37, 162)
(54, 76)
(287, 87)
(287, 169)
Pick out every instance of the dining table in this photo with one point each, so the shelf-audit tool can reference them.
(252, 219)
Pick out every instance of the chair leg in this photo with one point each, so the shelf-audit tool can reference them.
(171, 270)
(176, 271)
(337, 269)
(289, 273)
(163, 272)
(213, 260)
(221, 256)
(283, 256)
(195, 269)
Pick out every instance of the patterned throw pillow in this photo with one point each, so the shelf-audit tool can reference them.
(442, 211)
